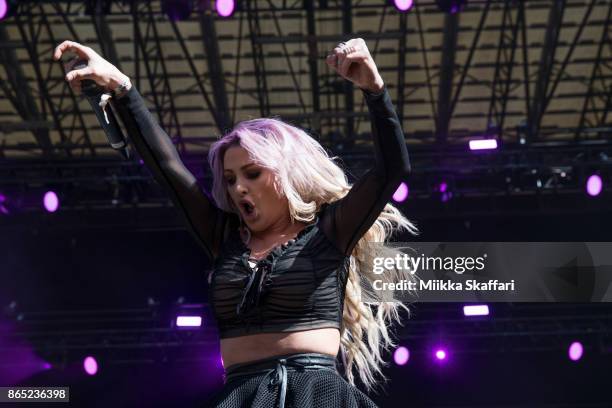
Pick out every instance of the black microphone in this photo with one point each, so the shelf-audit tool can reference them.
(93, 92)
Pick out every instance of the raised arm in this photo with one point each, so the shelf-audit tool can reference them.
(205, 221)
(346, 220)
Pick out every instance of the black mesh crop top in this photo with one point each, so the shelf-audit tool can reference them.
(299, 285)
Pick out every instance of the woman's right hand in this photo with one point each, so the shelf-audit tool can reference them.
(98, 69)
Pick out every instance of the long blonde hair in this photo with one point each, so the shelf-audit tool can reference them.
(309, 178)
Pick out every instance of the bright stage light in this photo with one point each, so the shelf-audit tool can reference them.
(403, 5)
(187, 316)
(594, 185)
(401, 356)
(90, 365)
(225, 8)
(483, 144)
(3, 8)
(8, 8)
(401, 194)
(476, 310)
(51, 201)
(188, 321)
(575, 351)
(441, 354)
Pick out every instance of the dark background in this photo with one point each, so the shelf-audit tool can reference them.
(521, 359)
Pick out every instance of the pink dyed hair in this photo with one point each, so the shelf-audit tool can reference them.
(309, 177)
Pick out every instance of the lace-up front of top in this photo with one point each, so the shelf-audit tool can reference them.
(300, 285)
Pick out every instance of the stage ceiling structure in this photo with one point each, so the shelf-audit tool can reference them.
(535, 75)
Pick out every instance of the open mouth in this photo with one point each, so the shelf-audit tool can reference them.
(247, 208)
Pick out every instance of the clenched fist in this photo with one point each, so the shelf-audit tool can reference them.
(352, 60)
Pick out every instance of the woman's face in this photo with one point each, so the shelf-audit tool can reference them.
(251, 189)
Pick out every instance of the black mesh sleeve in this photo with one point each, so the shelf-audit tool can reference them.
(346, 220)
(204, 220)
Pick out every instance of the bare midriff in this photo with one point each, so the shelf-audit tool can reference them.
(244, 349)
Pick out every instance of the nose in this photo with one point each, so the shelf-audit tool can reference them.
(241, 188)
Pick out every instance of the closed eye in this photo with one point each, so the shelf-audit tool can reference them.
(250, 176)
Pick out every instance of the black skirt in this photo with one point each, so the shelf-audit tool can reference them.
(294, 381)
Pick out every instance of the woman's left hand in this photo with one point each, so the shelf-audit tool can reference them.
(352, 60)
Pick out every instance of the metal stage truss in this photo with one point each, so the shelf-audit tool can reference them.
(534, 75)
(145, 334)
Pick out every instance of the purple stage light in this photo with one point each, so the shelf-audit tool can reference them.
(3, 209)
(51, 201)
(188, 321)
(225, 8)
(575, 351)
(18, 360)
(3, 8)
(403, 5)
(90, 365)
(441, 354)
(401, 355)
(401, 193)
(476, 310)
(594, 185)
(445, 193)
(483, 144)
